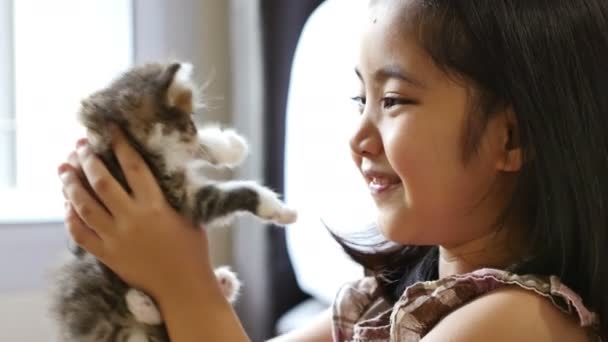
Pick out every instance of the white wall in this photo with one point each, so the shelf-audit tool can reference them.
(27, 253)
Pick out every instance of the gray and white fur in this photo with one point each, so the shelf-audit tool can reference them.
(153, 105)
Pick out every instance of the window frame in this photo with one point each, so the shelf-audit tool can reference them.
(7, 100)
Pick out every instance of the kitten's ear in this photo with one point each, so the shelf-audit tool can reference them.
(176, 79)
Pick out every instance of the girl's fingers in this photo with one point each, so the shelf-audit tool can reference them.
(90, 211)
(73, 160)
(105, 186)
(63, 168)
(82, 235)
(138, 174)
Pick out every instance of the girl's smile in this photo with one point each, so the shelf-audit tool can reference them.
(380, 182)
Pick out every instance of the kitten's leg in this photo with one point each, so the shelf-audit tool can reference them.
(143, 307)
(225, 145)
(229, 283)
(219, 200)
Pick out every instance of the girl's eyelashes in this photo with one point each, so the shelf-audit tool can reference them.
(390, 101)
(360, 102)
(386, 102)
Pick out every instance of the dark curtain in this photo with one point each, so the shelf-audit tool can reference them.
(282, 22)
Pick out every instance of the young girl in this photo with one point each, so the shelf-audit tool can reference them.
(483, 138)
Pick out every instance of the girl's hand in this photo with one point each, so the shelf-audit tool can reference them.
(147, 243)
(138, 235)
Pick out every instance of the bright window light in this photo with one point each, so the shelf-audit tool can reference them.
(62, 51)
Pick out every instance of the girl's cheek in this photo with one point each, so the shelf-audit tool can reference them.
(403, 149)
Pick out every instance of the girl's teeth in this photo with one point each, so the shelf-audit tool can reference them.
(380, 181)
(381, 184)
(383, 181)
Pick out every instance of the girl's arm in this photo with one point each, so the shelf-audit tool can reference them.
(147, 243)
(319, 330)
(200, 314)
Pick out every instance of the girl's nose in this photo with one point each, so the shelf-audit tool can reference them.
(366, 140)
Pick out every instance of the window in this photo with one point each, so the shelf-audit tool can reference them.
(53, 54)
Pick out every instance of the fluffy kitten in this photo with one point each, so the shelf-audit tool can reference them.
(153, 105)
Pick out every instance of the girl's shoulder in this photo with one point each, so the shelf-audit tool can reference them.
(490, 298)
(508, 314)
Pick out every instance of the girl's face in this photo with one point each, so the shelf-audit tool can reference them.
(409, 143)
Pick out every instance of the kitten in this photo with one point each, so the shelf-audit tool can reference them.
(153, 106)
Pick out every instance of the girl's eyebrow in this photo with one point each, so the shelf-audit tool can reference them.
(393, 71)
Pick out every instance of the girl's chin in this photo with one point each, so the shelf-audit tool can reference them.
(390, 196)
(394, 227)
(390, 226)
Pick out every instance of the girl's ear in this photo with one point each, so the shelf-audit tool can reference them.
(510, 156)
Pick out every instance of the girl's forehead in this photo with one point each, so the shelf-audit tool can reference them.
(397, 14)
(389, 41)
(389, 26)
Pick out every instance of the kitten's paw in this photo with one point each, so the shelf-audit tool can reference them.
(273, 209)
(229, 283)
(286, 216)
(226, 145)
(143, 308)
(236, 148)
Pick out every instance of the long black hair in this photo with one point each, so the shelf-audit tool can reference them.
(548, 61)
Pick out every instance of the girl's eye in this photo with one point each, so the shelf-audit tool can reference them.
(388, 102)
(360, 101)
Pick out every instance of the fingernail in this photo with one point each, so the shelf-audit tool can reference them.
(66, 205)
(64, 176)
(83, 150)
(73, 158)
(63, 168)
(81, 142)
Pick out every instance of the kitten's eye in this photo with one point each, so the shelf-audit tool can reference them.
(360, 101)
